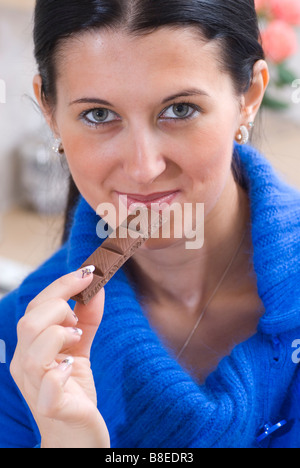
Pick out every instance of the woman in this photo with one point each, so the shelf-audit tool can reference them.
(155, 100)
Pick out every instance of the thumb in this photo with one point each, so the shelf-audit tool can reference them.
(89, 320)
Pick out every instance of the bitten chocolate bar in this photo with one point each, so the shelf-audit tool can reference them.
(118, 248)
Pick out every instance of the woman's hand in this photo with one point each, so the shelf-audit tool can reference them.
(51, 365)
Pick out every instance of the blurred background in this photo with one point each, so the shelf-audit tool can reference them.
(33, 180)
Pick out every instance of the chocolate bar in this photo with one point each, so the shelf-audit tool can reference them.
(118, 248)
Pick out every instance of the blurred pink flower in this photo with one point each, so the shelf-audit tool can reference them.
(279, 41)
(260, 5)
(286, 10)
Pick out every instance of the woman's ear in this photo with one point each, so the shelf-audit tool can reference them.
(46, 110)
(252, 99)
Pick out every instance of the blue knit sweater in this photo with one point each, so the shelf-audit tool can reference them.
(145, 396)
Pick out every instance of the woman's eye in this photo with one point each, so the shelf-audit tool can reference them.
(100, 116)
(180, 112)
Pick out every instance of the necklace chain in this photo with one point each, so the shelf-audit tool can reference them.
(187, 342)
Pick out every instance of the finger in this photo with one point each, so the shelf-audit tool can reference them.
(89, 320)
(52, 312)
(65, 287)
(52, 394)
(51, 307)
(41, 356)
(60, 398)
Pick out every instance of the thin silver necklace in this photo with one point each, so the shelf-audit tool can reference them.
(187, 342)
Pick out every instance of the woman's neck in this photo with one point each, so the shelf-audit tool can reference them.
(187, 278)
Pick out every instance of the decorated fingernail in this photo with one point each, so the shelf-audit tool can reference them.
(75, 317)
(85, 272)
(64, 365)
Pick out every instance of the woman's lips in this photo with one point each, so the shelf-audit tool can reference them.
(151, 199)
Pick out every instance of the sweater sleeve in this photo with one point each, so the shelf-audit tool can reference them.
(17, 426)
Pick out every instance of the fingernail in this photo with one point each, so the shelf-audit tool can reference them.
(64, 365)
(84, 272)
(75, 317)
(77, 331)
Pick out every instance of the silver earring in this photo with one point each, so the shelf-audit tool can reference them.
(57, 146)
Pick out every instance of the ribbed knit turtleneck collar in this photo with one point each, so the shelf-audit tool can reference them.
(275, 217)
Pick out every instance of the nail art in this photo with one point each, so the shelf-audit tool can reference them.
(84, 272)
(87, 271)
(75, 317)
(64, 365)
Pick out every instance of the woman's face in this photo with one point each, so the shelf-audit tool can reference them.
(146, 115)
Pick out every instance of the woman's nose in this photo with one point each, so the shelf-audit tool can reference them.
(143, 159)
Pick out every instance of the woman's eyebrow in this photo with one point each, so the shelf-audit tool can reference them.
(102, 102)
(186, 93)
